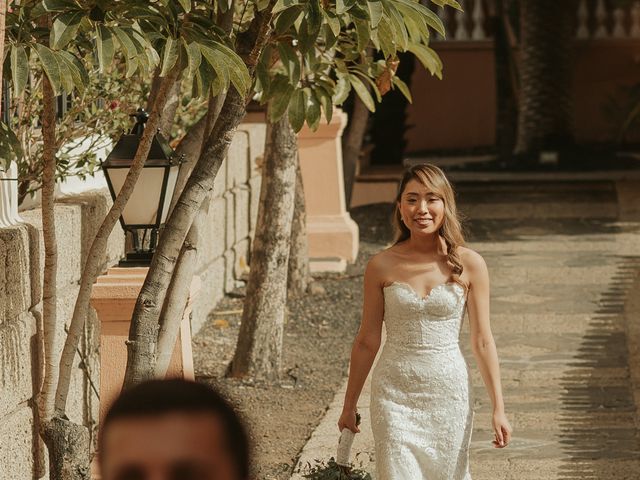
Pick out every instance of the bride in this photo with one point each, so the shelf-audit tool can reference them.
(421, 395)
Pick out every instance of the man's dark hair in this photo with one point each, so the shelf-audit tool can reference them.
(158, 397)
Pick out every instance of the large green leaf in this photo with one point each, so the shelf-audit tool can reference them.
(186, 5)
(332, 21)
(170, 55)
(290, 61)
(297, 109)
(386, 38)
(280, 94)
(398, 28)
(287, 18)
(194, 57)
(363, 33)
(342, 90)
(219, 66)
(74, 70)
(144, 48)
(19, 69)
(428, 58)
(451, 3)
(51, 67)
(228, 64)
(314, 17)
(313, 109)
(376, 11)
(131, 52)
(416, 26)
(326, 102)
(262, 71)
(68, 73)
(360, 13)
(404, 89)
(283, 5)
(362, 92)
(65, 28)
(366, 78)
(330, 39)
(10, 149)
(429, 16)
(105, 47)
(60, 5)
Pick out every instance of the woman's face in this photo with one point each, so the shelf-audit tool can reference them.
(421, 210)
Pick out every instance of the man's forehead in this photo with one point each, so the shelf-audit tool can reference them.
(166, 425)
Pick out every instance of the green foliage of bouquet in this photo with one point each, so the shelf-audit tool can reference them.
(339, 469)
(332, 471)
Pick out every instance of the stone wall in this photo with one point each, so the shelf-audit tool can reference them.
(223, 259)
(21, 267)
(233, 212)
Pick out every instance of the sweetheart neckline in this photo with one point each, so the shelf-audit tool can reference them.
(415, 294)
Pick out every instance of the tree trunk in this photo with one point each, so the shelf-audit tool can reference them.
(546, 103)
(3, 17)
(352, 145)
(259, 349)
(178, 293)
(99, 245)
(192, 144)
(299, 275)
(143, 334)
(51, 330)
(506, 113)
(169, 111)
(68, 445)
(190, 147)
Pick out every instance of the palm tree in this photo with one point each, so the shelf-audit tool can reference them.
(546, 102)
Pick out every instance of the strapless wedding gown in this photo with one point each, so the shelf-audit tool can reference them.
(421, 395)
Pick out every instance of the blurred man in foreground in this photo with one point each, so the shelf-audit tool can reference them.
(173, 430)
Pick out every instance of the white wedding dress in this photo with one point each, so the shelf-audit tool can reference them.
(421, 396)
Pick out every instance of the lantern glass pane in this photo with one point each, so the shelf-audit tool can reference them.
(171, 185)
(142, 207)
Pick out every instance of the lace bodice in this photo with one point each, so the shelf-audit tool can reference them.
(413, 321)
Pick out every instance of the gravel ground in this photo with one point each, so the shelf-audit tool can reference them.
(318, 335)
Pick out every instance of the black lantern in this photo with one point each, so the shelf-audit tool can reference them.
(148, 206)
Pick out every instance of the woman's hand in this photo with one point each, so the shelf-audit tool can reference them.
(348, 420)
(502, 430)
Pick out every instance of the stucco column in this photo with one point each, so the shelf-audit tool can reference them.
(332, 233)
(114, 296)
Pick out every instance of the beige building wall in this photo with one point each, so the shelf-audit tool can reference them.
(458, 112)
(232, 220)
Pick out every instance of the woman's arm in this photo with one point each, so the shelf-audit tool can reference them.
(482, 342)
(366, 344)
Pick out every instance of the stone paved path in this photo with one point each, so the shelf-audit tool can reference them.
(564, 270)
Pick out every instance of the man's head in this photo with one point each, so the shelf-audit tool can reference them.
(173, 430)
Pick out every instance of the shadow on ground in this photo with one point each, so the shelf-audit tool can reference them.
(590, 443)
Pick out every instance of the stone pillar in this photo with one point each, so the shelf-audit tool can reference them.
(332, 233)
(114, 296)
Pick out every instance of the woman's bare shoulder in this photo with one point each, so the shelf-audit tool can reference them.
(471, 259)
(381, 261)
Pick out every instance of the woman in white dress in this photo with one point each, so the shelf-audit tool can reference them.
(421, 396)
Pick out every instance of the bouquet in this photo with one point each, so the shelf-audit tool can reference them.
(339, 468)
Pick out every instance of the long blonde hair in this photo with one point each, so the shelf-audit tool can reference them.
(435, 180)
